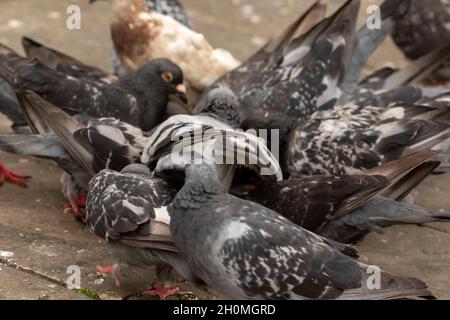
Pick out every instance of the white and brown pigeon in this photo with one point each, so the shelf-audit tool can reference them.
(140, 34)
(171, 8)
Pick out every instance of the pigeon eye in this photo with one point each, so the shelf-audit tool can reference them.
(167, 76)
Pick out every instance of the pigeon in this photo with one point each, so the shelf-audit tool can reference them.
(53, 59)
(80, 150)
(171, 8)
(425, 28)
(7, 175)
(67, 65)
(140, 34)
(368, 39)
(292, 77)
(385, 119)
(10, 107)
(140, 99)
(128, 210)
(359, 136)
(63, 63)
(345, 208)
(247, 251)
(213, 135)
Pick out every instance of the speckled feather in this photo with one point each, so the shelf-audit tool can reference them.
(425, 28)
(360, 136)
(206, 134)
(171, 8)
(310, 202)
(304, 75)
(81, 150)
(128, 210)
(341, 208)
(120, 204)
(247, 251)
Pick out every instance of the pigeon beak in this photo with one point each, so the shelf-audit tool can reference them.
(181, 93)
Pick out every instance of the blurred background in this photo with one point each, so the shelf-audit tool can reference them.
(45, 241)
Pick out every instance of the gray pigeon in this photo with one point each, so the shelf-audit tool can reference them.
(140, 99)
(10, 107)
(128, 210)
(247, 251)
(80, 150)
(64, 63)
(292, 77)
(369, 39)
(345, 208)
(213, 135)
(425, 28)
(361, 135)
(52, 59)
(385, 119)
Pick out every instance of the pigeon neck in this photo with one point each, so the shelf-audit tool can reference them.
(155, 102)
(224, 117)
(198, 190)
(223, 112)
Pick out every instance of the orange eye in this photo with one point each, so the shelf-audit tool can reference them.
(167, 76)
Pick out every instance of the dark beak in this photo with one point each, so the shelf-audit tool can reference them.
(181, 93)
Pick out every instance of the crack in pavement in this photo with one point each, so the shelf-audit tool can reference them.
(437, 229)
(32, 272)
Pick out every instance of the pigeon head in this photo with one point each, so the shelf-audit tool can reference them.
(223, 104)
(162, 76)
(201, 183)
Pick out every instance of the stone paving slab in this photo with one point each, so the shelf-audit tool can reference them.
(412, 251)
(19, 285)
(434, 195)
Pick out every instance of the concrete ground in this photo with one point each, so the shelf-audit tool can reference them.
(38, 242)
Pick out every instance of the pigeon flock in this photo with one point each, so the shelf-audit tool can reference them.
(255, 179)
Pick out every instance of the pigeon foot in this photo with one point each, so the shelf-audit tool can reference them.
(9, 176)
(75, 208)
(161, 291)
(110, 269)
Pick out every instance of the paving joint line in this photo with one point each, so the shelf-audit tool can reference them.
(437, 229)
(32, 272)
